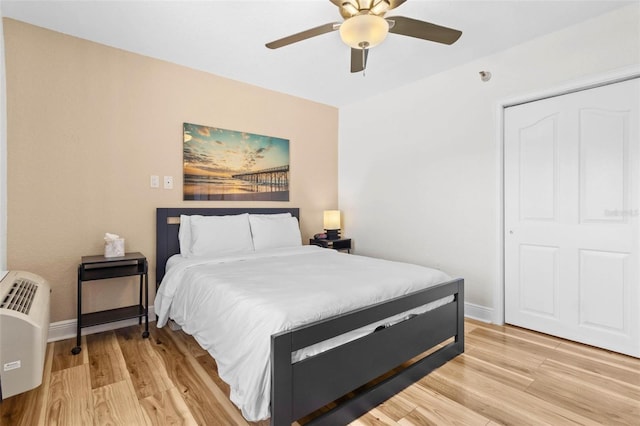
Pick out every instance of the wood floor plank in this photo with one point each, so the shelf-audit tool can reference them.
(537, 338)
(435, 409)
(470, 324)
(398, 407)
(62, 350)
(105, 359)
(495, 401)
(528, 346)
(597, 382)
(564, 388)
(374, 417)
(595, 365)
(603, 355)
(116, 404)
(19, 410)
(505, 357)
(493, 367)
(167, 408)
(70, 401)
(423, 417)
(145, 367)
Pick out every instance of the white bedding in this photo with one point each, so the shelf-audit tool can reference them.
(233, 304)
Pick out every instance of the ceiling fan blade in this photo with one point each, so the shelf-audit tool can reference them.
(424, 30)
(294, 38)
(359, 59)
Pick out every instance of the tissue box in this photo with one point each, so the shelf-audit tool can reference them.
(114, 248)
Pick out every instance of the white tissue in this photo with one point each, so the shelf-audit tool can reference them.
(110, 237)
(113, 245)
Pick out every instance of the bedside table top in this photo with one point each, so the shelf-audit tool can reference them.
(339, 244)
(86, 260)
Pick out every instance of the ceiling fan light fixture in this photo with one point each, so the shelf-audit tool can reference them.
(365, 4)
(351, 7)
(364, 31)
(380, 7)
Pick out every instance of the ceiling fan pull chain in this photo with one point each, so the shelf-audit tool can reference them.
(364, 63)
(364, 45)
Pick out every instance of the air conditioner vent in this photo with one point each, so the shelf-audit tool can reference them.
(20, 296)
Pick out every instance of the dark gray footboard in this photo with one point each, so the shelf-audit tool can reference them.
(298, 389)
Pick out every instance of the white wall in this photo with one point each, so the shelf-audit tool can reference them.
(419, 172)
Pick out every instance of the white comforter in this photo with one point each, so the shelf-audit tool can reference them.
(232, 305)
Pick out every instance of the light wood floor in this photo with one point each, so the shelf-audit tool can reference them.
(506, 376)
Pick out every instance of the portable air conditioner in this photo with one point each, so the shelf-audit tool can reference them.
(24, 328)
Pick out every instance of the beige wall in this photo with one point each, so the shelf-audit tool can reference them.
(87, 126)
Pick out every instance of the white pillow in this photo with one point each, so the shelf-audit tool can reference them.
(270, 215)
(217, 235)
(184, 235)
(184, 232)
(273, 231)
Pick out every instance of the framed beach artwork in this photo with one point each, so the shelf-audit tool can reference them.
(220, 164)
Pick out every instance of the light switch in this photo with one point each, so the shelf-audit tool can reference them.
(168, 182)
(155, 181)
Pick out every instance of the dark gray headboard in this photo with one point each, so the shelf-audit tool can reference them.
(168, 224)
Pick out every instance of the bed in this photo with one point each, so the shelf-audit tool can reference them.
(311, 362)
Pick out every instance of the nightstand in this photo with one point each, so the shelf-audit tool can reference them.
(342, 244)
(98, 268)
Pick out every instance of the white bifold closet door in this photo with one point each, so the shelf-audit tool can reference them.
(572, 207)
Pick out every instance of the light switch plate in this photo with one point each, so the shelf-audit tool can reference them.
(154, 182)
(168, 182)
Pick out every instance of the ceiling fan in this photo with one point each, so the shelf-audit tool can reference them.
(365, 26)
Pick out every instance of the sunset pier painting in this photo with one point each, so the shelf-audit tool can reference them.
(222, 164)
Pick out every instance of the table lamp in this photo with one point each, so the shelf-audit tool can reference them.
(332, 224)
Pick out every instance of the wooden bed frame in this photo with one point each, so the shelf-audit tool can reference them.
(298, 389)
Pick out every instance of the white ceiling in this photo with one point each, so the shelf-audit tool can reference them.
(227, 38)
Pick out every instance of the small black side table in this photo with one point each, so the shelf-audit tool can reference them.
(342, 244)
(100, 268)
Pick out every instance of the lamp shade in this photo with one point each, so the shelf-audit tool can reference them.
(331, 219)
(364, 31)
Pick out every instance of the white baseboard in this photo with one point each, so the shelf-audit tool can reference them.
(66, 329)
(62, 330)
(477, 312)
